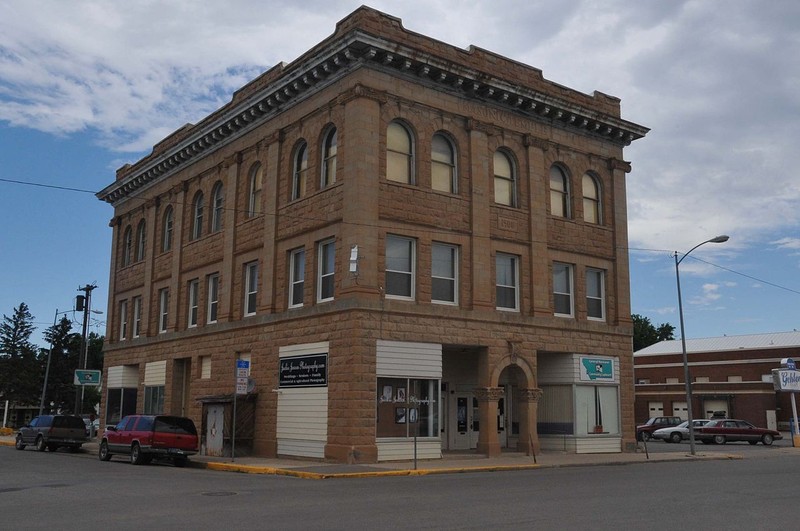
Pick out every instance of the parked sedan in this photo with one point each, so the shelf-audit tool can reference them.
(732, 430)
(678, 433)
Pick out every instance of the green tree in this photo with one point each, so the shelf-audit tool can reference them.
(20, 375)
(646, 333)
(65, 345)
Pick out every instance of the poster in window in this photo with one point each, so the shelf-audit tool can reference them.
(399, 415)
(401, 394)
(412, 415)
(386, 395)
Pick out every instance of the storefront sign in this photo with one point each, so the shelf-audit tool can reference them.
(786, 379)
(304, 371)
(593, 369)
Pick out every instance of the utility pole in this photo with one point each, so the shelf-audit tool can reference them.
(86, 302)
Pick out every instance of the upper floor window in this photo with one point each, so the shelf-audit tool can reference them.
(254, 191)
(300, 171)
(137, 316)
(197, 216)
(326, 270)
(163, 310)
(595, 294)
(399, 154)
(127, 246)
(329, 158)
(166, 238)
(399, 267)
(123, 320)
(562, 289)
(505, 185)
(559, 193)
(213, 298)
(217, 207)
(443, 164)
(297, 275)
(591, 200)
(250, 288)
(141, 234)
(444, 273)
(194, 297)
(507, 281)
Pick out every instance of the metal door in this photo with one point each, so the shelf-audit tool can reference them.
(215, 421)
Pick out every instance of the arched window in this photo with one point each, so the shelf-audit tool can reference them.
(559, 193)
(140, 240)
(166, 230)
(217, 207)
(505, 180)
(399, 154)
(300, 171)
(443, 164)
(197, 216)
(127, 246)
(254, 191)
(592, 210)
(329, 158)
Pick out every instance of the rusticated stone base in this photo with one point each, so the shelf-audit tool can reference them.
(360, 454)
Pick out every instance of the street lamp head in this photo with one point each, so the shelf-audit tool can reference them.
(720, 239)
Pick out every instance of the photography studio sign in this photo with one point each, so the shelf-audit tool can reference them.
(304, 371)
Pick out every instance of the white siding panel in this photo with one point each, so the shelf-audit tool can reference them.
(302, 424)
(598, 445)
(403, 450)
(122, 376)
(299, 350)
(409, 360)
(557, 369)
(155, 373)
(314, 449)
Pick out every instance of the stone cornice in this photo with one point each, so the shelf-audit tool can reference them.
(334, 59)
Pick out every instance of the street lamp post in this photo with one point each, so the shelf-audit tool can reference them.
(686, 376)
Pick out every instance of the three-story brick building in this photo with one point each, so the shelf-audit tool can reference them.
(408, 243)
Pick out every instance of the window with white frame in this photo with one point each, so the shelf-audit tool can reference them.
(254, 191)
(141, 240)
(505, 182)
(297, 275)
(444, 273)
(399, 154)
(123, 320)
(250, 288)
(300, 171)
(163, 309)
(326, 269)
(399, 267)
(329, 158)
(595, 294)
(592, 212)
(507, 281)
(217, 207)
(194, 297)
(213, 298)
(166, 230)
(443, 164)
(137, 316)
(197, 216)
(562, 289)
(559, 193)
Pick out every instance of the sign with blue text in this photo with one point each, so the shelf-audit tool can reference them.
(786, 379)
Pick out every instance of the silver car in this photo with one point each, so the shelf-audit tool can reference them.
(678, 433)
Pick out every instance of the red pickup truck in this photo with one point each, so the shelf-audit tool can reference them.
(148, 437)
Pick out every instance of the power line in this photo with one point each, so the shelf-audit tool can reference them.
(42, 185)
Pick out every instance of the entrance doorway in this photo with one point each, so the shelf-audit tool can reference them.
(463, 421)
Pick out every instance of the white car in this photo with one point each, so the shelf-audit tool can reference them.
(678, 433)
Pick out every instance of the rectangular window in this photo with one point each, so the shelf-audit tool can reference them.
(325, 284)
(297, 275)
(205, 367)
(399, 267)
(595, 294)
(444, 273)
(154, 400)
(163, 309)
(213, 298)
(507, 281)
(123, 320)
(597, 410)
(194, 295)
(408, 407)
(137, 316)
(250, 288)
(562, 289)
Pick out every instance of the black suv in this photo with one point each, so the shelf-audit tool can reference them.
(49, 432)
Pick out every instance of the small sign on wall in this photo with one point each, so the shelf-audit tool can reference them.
(304, 371)
(596, 369)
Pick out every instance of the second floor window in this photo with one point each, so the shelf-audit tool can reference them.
(399, 154)
(326, 270)
(250, 288)
(595, 294)
(399, 267)
(213, 298)
(562, 289)
(300, 171)
(197, 216)
(194, 297)
(163, 310)
(137, 316)
(297, 275)
(123, 320)
(329, 158)
(444, 273)
(507, 281)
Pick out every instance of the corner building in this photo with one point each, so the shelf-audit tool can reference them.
(397, 242)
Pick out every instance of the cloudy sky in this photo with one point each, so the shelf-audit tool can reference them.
(88, 85)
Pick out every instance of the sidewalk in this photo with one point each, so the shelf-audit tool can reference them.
(451, 463)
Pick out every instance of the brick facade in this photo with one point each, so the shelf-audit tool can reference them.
(370, 73)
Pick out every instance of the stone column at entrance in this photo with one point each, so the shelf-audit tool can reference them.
(488, 441)
(528, 435)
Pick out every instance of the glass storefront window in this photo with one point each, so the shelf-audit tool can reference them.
(597, 409)
(407, 407)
